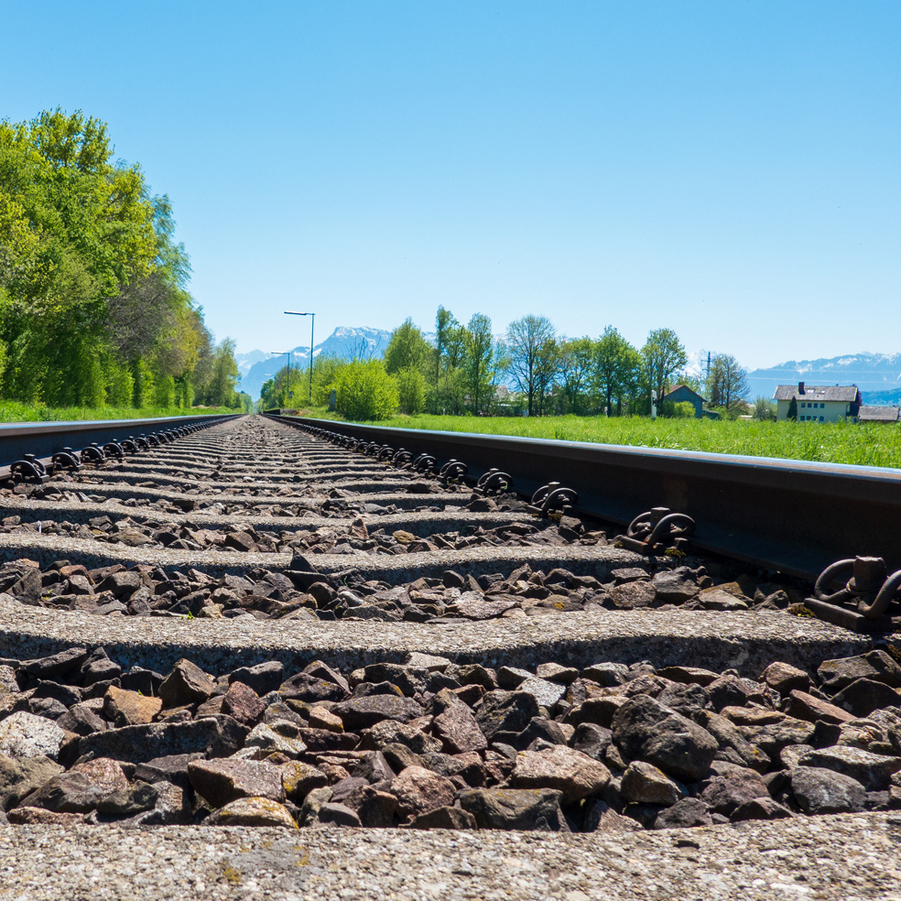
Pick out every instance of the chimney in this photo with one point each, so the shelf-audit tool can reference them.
(800, 387)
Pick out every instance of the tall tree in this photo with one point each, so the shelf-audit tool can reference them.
(576, 359)
(478, 366)
(407, 349)
(529, 341)
(617, 369)
(449, 354)
(663, 356)
(727, 383)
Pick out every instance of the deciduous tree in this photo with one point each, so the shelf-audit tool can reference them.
(530, 341)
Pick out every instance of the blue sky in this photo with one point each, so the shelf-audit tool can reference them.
(726, 169)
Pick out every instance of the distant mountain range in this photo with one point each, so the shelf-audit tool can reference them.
(257, 366)
(877, 375)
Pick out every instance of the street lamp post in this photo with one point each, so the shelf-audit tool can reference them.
(312, 325)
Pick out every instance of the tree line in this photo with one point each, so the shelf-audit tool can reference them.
(532, 370)
(94, 305)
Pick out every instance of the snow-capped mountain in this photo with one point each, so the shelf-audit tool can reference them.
(346, 343)
(874, 374)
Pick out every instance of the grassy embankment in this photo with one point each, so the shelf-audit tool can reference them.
(11, 411)
(872, 444)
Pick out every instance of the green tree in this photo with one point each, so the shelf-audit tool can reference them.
(765, 410)
(407, 349)
(727, 383)
(663, 356)
(617, 369)
(529, 343)
(576, 362)
(478, 362)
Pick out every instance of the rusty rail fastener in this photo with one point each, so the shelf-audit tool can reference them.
(656, 531)
(493, 482)
(869, 588)
(552, 498)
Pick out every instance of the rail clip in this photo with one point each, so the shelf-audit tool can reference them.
(657, 531)
(869, 588)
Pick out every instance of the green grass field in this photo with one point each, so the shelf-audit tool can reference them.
(872, 444)
(11, 411)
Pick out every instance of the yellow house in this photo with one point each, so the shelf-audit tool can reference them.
(817, 403)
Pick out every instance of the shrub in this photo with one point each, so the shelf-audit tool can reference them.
(365, 391)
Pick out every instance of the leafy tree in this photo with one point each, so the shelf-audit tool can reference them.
(765, 409)
(727, 383)
(478, 364)
(93, 287)
(449, 354)
(576, 361)
(617, 369)
(530, 341)
(407, 349)
(792, 413)
(663, 356)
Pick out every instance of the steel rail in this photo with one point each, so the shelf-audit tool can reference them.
(44, 439)
(794, 516)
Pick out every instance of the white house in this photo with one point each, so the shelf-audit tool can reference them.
(818, 403)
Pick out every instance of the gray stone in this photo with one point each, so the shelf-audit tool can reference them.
(23, 775)
(362, 713)
(643, 783)
(643, 729)
(545, 692)
(571, 772)
(139, 744)
(687, 813)
(862, 696)
(223, 781)
(511, 808)
(419, 790)
(724, 794)
(252, 812)
(818, 790)
(873, 771)
(23, 734)
(186, 684)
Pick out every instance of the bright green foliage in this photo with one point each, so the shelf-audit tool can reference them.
(576, 362)
(407, 349)
(727, 383)
(365, 391)
(479, 366)
(411, 390)
(531, 358)
(448, 394)
(663, 356)
(93, 300)
(617, 370)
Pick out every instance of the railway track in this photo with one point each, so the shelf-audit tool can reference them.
(254, 627)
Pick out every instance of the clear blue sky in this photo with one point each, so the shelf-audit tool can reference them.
(726, 169)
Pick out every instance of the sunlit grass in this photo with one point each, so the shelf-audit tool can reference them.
(871, 444)
(11, 411)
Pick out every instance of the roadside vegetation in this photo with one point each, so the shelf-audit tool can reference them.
(95, 310)
(10, 411)
(872, 444)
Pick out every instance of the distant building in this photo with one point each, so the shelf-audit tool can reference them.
(879, 414)
(818, 403)
(682, 394)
